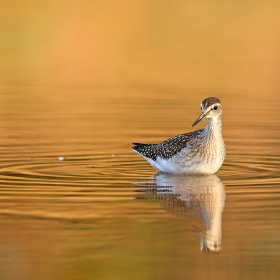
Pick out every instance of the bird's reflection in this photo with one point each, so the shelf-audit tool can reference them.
(203, 196)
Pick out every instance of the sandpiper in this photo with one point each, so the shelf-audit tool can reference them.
(198, 152)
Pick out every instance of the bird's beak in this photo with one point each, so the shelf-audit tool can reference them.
(202, 116)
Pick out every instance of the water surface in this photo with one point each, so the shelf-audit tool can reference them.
(103, 212)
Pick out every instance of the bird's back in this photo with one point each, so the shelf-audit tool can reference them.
(166, 149)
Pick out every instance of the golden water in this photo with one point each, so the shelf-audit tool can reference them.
(82, 81)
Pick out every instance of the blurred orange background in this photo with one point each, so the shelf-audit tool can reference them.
(217, 45)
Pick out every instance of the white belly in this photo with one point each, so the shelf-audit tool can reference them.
(187, 164)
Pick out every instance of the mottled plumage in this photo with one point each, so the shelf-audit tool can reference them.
(167, 148)
(198, 152)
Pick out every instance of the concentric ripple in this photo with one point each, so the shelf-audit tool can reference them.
(251, 169)
(77, 187)
(80, 186)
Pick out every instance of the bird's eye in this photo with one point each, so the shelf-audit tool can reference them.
(215, 107)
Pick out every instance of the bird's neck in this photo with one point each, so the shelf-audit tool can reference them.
(214, 125)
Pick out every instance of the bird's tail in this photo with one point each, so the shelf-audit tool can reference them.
(142, 144)
(138, 146)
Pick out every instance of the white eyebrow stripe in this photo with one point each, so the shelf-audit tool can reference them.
(208, 110)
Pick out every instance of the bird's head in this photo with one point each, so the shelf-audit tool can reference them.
(211, 108)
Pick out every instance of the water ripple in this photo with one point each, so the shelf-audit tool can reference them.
(79, 185)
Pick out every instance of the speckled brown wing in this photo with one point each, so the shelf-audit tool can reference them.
(167, 148)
